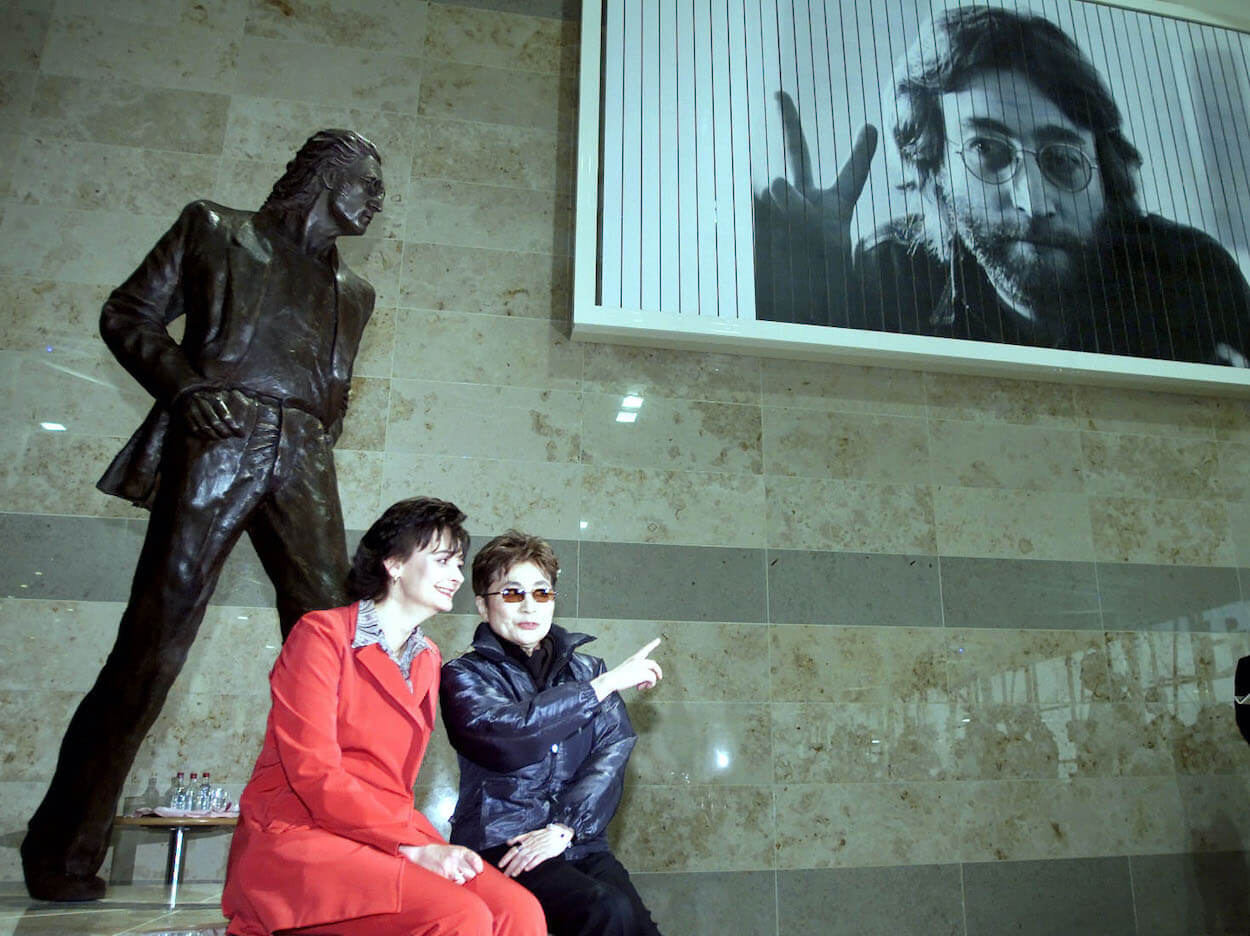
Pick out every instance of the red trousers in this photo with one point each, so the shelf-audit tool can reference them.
(430, 905)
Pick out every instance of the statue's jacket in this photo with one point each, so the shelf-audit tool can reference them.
(229, 272)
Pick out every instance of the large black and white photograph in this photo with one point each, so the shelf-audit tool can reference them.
(1059, 176)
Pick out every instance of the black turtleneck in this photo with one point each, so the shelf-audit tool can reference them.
(538, 663)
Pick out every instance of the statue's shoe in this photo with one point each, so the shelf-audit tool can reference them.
(44, 884)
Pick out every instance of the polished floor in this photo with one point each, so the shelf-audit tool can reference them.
(132, 909)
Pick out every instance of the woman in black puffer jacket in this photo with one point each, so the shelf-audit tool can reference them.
(543, 739)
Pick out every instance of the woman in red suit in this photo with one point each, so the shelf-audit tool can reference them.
(328, 840)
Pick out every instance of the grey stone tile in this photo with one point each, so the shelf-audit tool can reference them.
(671, 583)
(1171, 598)
(68, 558)
(1072, 897)
(710, 903)
(806, 587)
(1179, 895)
(866, 901)
(1019, 593)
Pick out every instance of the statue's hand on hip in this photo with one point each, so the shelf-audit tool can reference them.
(215, 414)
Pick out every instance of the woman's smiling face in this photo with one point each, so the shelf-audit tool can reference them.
(430, 577)
(526, 622)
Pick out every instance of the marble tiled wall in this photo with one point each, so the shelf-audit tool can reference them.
(970, 640)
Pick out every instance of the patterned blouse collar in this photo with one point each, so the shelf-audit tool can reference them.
(369, 631)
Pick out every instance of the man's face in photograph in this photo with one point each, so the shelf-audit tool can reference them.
(1020, 184)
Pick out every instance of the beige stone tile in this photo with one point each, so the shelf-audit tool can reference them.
(87, 394)
(360, 486)
(498, 96)
(232, 655)
(1239, 522)
(1012, 524)
(995, 400)
(724, 828)
(18, 801)
(25, 30)
(1176, 667)
(1234, 470)
(395, 26)
(918, 736)
(10, 147)
(1151, 466)
(58, 645)
(272, 129)
(225, 16)
(101, 177)
(51, 317)
(246, 183)
(1200, 740)
(507, 40)
(469, 420)
(112, 111)
(457, 214)
(493, 154)
(378, 260)
(660, 372)
(1007, 742)
(486, 349)
(490, 281)
(1112, 739)
(495, 493)
(702, 661)
(151, 51)
(860, 824)
(634, 505)
(1015, 820)
(364, 428)
(1216, 813)
(327, 75)
(1107, 409)
(820, 742)
(1232, 420)
(989, 455)
(829, 663)
(34, 721)
(16, 90)
(855, 516)
(860, 446)
(989, 667)
(671, 434)
(377, 346)
(1138, 529)
(846, 388)
(74, 246)
(717, 743)
(201, 731)
(27, 487)
(436, 802)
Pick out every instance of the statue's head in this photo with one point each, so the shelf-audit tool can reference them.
(337, 161)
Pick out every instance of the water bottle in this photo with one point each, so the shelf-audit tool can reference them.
(178, 793)
(204, 795)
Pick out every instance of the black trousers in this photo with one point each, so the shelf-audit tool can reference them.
(277, 484)
(589, 896)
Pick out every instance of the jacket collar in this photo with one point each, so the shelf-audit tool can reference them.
(487, 643)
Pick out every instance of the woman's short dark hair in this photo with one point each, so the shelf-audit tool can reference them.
(404, 528)
(510, 549)
(967, 41)
(324, 150)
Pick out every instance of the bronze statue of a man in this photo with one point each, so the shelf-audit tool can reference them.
(248, 407)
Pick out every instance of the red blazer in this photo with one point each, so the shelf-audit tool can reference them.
(330, 800)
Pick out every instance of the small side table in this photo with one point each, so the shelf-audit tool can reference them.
(177, 827)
